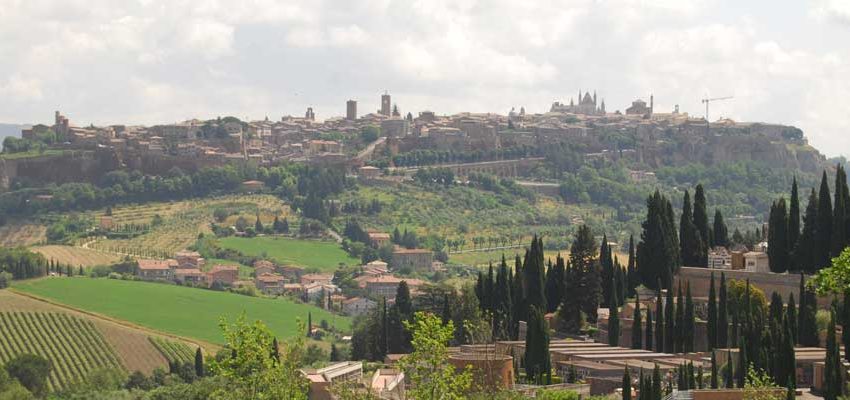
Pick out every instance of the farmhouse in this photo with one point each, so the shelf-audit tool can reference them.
(379, 239)
(189, 259)
(416, 259)
(270, 283)
(226, 274)
(263, 267)
(358, 306)
(387, 286)
(156, 269)
(322, 279)
(190, 275)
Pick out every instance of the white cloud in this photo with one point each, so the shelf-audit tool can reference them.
(837, 11)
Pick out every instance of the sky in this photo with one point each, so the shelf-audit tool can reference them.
(151, 61)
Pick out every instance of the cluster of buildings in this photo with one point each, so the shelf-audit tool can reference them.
(740, 258)
(187, 267)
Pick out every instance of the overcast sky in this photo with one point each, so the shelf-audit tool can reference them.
(148, 61)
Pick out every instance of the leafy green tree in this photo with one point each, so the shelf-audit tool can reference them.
(426, 365)
(31, 371)
(252, 372)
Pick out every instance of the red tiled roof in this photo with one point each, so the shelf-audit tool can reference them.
(150, 265)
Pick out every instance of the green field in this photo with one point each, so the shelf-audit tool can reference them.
(178, 310)
(323, 255)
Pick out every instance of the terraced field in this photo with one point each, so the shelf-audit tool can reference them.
(22, 234)
(174, 352)
(76, 255)
(74, 346)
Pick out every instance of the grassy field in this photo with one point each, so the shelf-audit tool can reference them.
(483, 258)
(76, 255)
(182, 311)
(323, 255)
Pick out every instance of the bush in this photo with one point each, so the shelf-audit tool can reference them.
(554, 394)
(31, 371)
(5, 279)
(115, 275)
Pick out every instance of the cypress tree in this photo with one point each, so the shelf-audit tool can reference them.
(533, 270)
(791, 316)
(656, 383)
(714, 377)
(804, 252)
(647, 345)
(585, 273)
(670, 328)
(743, 364)
(199, 363)
(502, 315)
(627, 384)
(807, 333)
(489, 295)
(537, 363)
(637, 328)
(555, 285)
(722, 315)
(518, 297)
(728, 379)
(383, 345)
(659, 323)
(839, 214)
(701, 222)
(777, 238)
(690, 322)
(690, 242)
(679, 332)
(832, 370)
(309, 324)
(692, 383)
(700, 373)
(334, 353)
(657, 253)
(823, 231)
(793, 223)
(606, 271)
(721, 232)
(631, 272)
(845, 325)
(712, 315)
(613, 322)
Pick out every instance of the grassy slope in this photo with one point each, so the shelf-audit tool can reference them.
(324, 255)
(177, 310)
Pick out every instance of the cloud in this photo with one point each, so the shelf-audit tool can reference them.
(153, 61)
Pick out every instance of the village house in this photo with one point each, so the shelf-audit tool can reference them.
(415, 259)
(387, 286)
(189, 259)
(226, 274)
(379, 239)
(190, 275)
(375, 268)
(156, 269)
(270, 283)
(322, 279)
(358, 306)
(263, 267)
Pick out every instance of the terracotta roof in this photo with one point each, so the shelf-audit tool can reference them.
(411, 251)
(393, 279)
(378, 235)
(270, 278)
(156, 264)
(188, 271)
(222, 268)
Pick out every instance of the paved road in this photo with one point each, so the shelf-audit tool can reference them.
(366, 154)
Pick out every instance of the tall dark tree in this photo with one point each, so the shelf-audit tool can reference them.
(533, 270)
(555, 285)
(712, 315)
(518, 309)
(199, 363)
(807, 330)
(804, 252)
(823, 231)
(845, 322)
(657, 254)
(728, 376)
(690, 241)
(743, 364)
(670, 336)
(659, 324)
(679, 332)
(585, 273)
(777, 238)
(723, 315)
(714, 377)
(489, 296)
(690, 322)
(791, 316)
(606, 271)
(832, 380)
(627, 385)
(335, 356)
(613, 321)
(721, 232)
(631, 272)
(537, 363)
(648, 339)
(701, 221)
(637, 327)
(793, 224)
(504, 300)
(839, 214)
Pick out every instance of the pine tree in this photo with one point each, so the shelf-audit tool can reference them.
(659, 323)
(701, 222)
(804, 252)
(722, 315)
(712, 315)
(690, 242)
(793, 224)
(647, 344)
(690, 322)
(627, 384)
(199, 363)
(613, 322)
(585, 273)
(777, 238)
(721, 232)
(714, 377)
(637, 328)
(823, 231)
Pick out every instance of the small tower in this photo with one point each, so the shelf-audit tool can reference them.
(651, 103)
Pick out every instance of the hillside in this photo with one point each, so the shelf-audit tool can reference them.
(188, 312)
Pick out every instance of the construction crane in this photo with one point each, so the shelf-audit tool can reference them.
(706, 101)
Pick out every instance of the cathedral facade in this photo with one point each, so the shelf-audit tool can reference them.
(587, 105)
